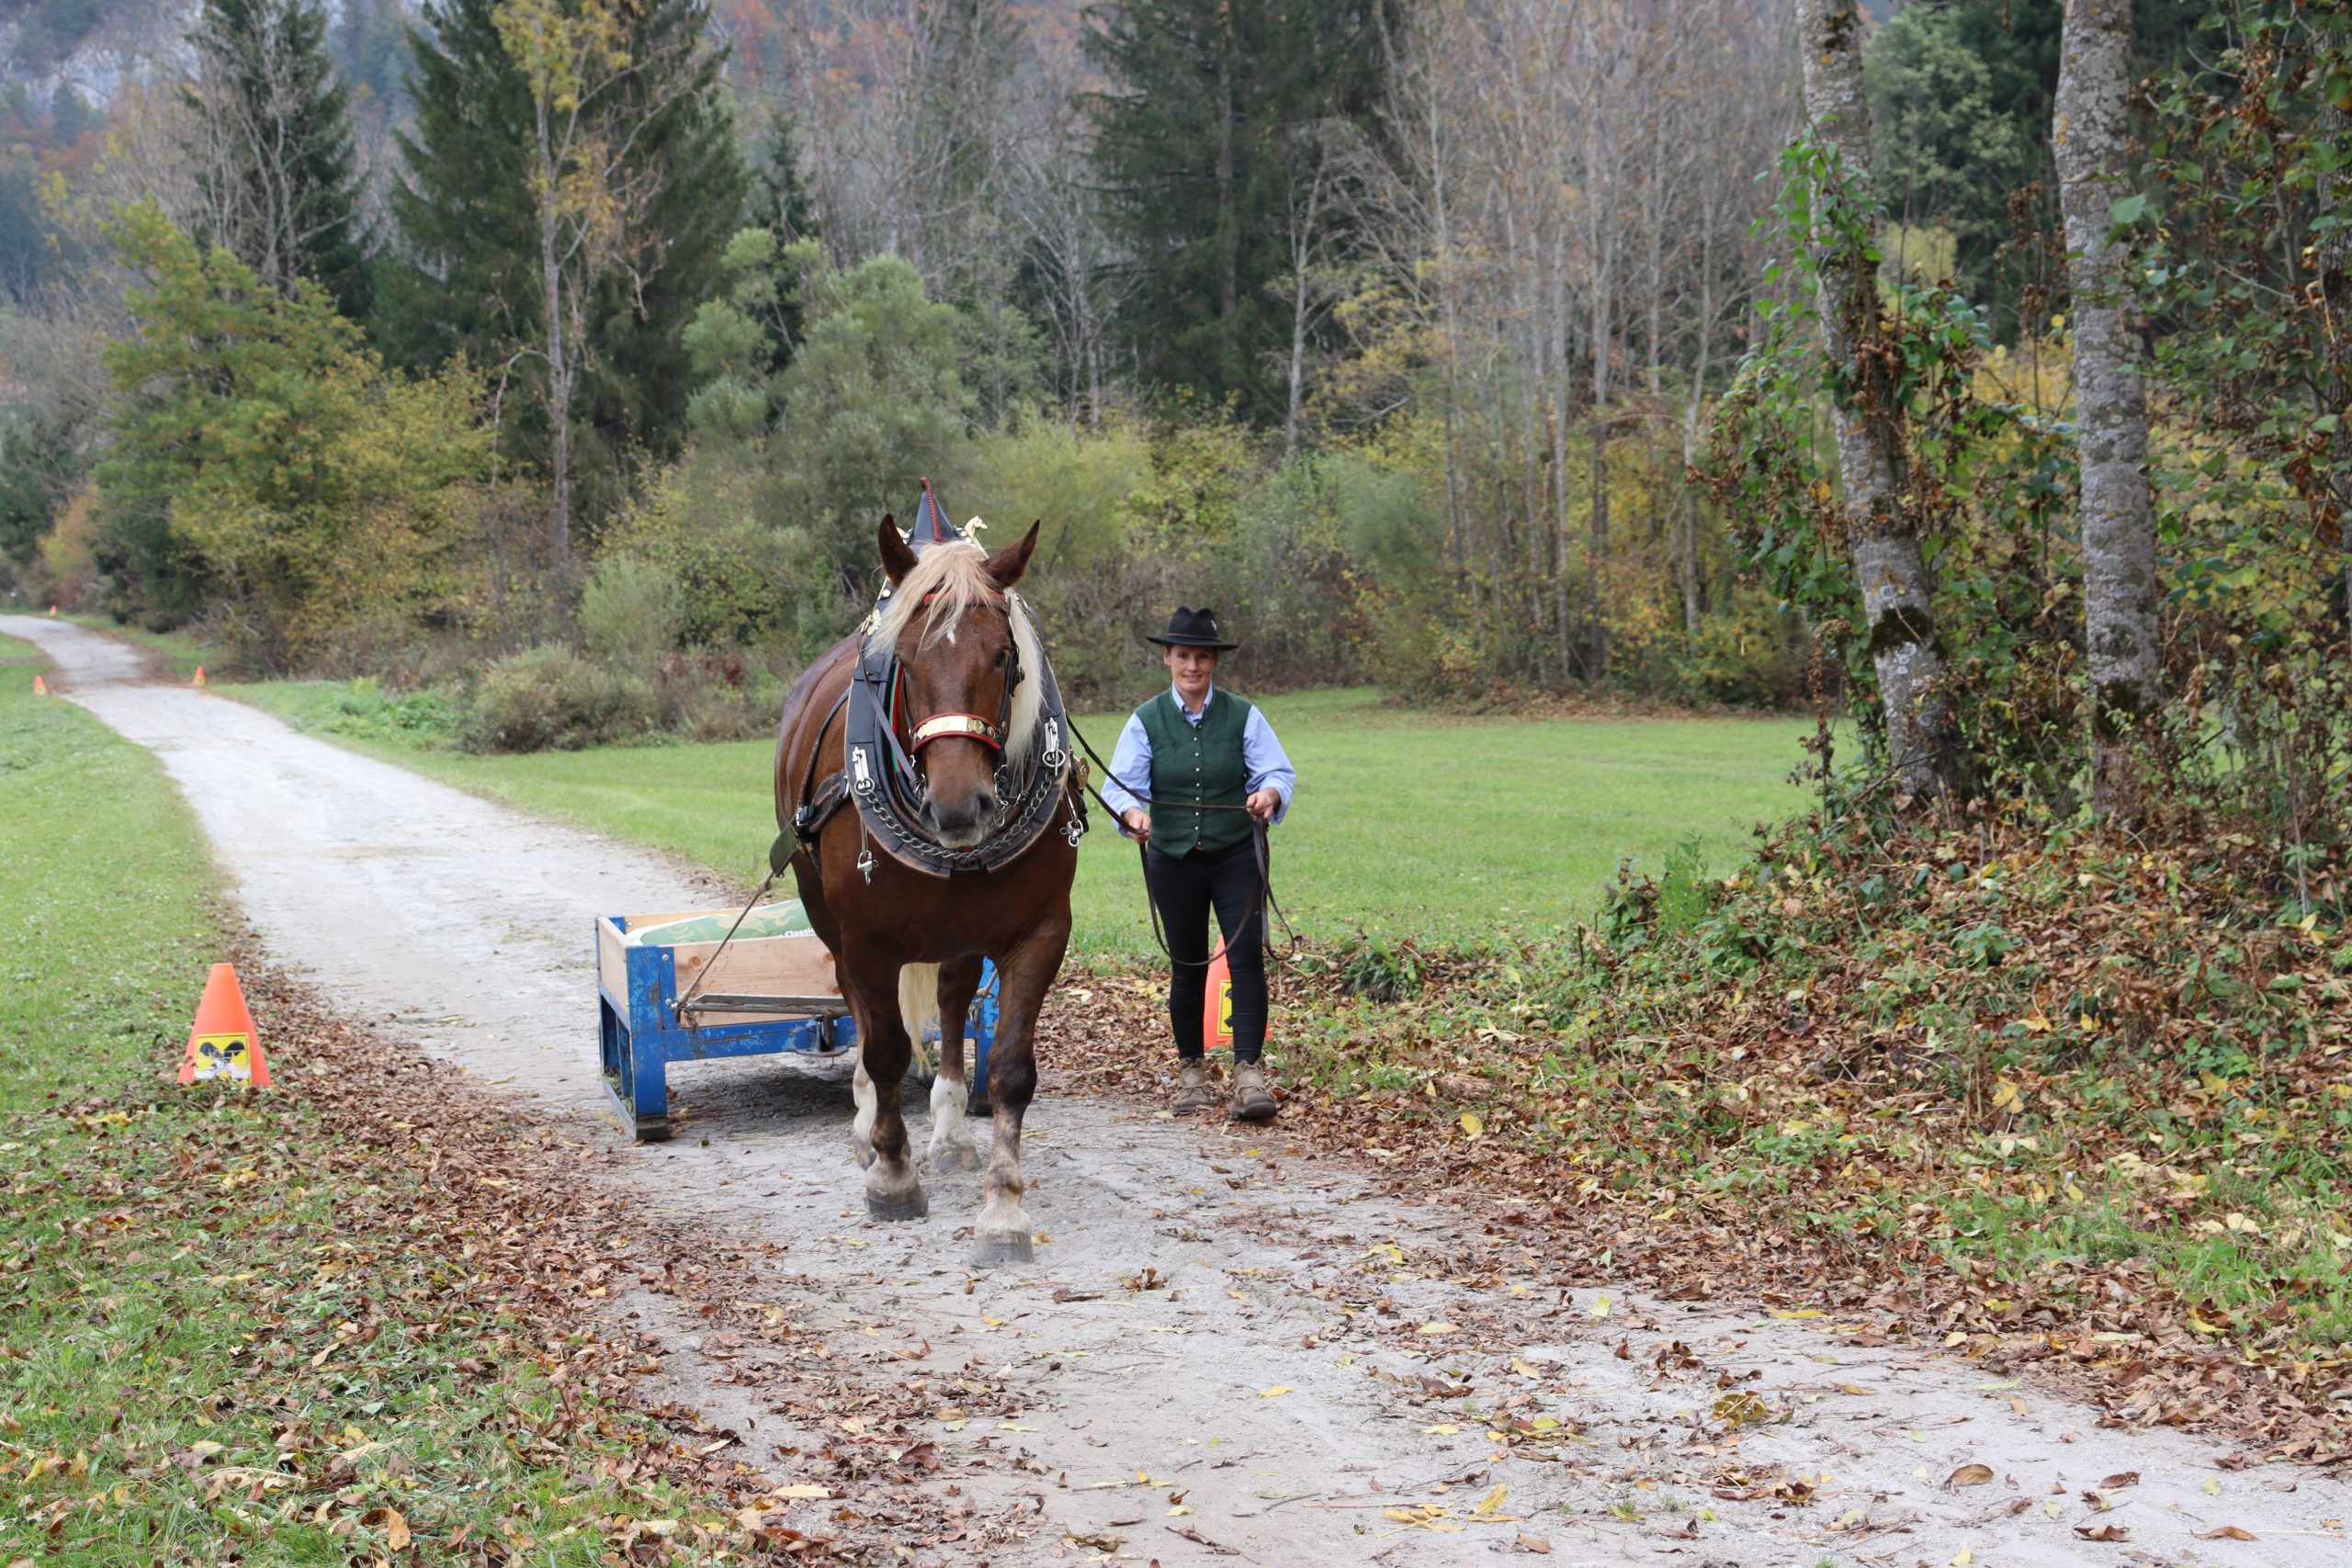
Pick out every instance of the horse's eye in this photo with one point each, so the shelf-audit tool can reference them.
(1000, 659)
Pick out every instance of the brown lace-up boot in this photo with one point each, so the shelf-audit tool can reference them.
(1251, 1100)
(1193, 1092)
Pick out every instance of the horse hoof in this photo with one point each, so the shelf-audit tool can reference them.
(977, 1107)
(957, 1157)
(914, 1207)
(991, 1251)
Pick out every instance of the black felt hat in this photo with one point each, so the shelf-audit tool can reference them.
(1192, 628)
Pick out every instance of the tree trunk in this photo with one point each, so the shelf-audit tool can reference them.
(560, 367)
(1597, 631)
(1597, 634)
(2333, 263)
(2090, 141)
(1882, 531)
(1228, 304)
(1686, 555)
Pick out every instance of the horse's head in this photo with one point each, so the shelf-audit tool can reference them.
(968, 684)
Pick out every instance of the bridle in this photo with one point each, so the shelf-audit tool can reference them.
(882, 773)
(910, 741)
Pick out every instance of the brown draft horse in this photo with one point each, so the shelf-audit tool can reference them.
(904, 942)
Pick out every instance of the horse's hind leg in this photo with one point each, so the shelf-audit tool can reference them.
(893, 1191)
(1003, 1233)
(951, 1135)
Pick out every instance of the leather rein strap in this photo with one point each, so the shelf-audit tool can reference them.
(1264, 899)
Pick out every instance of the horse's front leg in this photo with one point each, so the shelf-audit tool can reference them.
(951, 1133)
(893, 1191)
(1002, 1235)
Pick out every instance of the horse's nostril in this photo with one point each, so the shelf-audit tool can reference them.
(984, 802)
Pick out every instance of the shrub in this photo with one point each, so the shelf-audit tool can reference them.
(550, 698)
(631, 611)
(716, 694)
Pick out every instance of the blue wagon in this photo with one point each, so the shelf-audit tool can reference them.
(768, 991)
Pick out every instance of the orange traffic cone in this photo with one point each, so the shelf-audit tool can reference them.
(40, 687)
(200, 676)
(52, 609)
(223, 1043)
(1216, 1008)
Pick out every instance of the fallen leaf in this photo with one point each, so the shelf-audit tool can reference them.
(2103, 1532)
(1471, 1126)
(1969, 1475)
(1536, 1544)
(1491, 1501)
(388, 1520)
(2118, 1481)
(1279, 1389)
(806, 1489)
(1741, 1409)
(2226, 1533)
(1438, 1327)
(1963, 1558)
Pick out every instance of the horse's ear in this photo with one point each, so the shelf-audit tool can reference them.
(1005, 567)
(897, 558)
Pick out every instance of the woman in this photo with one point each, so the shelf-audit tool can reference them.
(1189, 748)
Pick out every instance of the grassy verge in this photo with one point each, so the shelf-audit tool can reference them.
(1408, 827)
(2010, 1091)
(239, 1327)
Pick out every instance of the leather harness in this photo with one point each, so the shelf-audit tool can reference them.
(881, 775)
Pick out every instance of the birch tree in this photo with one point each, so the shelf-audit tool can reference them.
(1882, 527)
(274, 165)
(596, 88)
(2089, 136)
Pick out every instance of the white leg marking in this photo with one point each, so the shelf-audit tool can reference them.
(1001, 1235)
(861, 1130)
(952, 1147)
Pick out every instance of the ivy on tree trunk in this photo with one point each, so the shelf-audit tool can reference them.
(2090, 136)
(1882, 527)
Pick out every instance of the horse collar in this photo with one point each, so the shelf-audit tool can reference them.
(881, 775)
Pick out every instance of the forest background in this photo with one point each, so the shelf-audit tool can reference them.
(564, 352)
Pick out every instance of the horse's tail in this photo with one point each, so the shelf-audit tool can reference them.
(919, 1009)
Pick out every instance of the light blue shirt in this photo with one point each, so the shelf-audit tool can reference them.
(1261, 754)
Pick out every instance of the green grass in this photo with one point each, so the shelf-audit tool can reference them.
(1406, 824)
(181, 1270)
(105, 915)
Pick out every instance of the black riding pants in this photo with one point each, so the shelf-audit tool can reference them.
(1185, 887)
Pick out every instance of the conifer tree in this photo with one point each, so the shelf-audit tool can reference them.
(462, 202)
(473, 279)
(1207, 97)
(276, 175)
(781, 203)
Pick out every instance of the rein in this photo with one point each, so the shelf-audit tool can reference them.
(1263, 899)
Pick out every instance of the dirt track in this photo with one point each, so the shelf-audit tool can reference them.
(1273, 1368)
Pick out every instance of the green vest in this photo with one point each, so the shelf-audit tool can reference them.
(1198, 764)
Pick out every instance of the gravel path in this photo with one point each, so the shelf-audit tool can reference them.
(1230, 1351)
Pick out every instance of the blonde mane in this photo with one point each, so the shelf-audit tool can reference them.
(953, 574)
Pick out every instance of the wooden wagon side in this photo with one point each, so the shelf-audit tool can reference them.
(761, 996)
